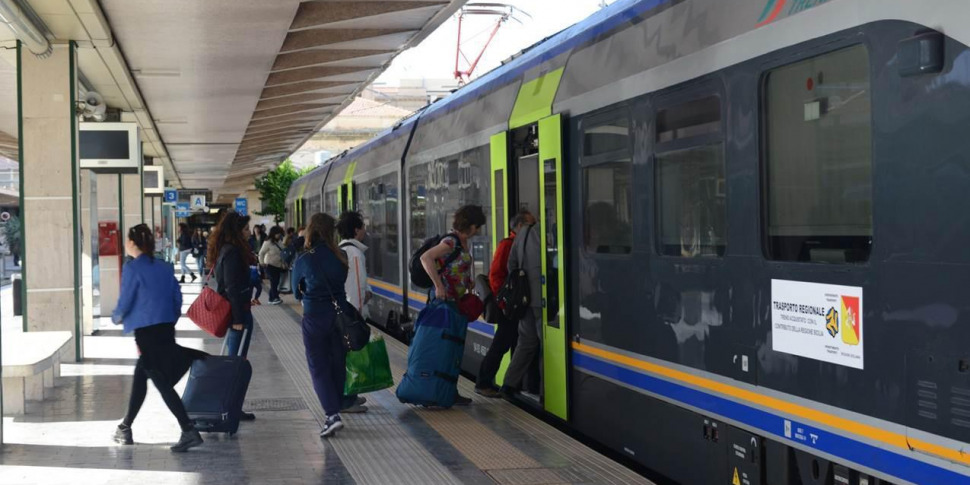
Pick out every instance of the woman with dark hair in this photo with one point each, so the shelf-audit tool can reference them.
(199, 247)
(231, 256)
(454, 279)
(271, 257)
(185, 248)
(150, 304)
(322, 270)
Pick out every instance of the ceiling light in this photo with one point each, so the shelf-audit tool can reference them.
(156, 72)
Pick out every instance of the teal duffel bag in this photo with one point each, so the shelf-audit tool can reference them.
(434, 358)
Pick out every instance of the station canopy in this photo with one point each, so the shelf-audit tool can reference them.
(223, 90)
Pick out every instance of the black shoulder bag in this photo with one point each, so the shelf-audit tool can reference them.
(354, 330)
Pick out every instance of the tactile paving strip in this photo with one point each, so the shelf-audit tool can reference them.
(373, 447)
(586, 465)
(479, 444)
(285, 404)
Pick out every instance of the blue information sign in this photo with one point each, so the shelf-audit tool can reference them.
(242, 206)
(182, 209)
(171, 195)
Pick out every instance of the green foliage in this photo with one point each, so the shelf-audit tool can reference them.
(274, 186)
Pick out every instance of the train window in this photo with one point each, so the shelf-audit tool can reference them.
(607, 137)
(607, 188)
(691, 201)
(607, 184)
(818, 159)
(418, 204)
(694, 118)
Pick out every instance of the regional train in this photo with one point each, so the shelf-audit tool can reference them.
(755, 225)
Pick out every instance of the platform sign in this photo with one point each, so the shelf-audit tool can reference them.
(242, 206)
(171, 196)
(821, 322)
(198, 202)
(182, 209)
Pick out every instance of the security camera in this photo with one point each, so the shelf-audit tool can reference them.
(92, 106)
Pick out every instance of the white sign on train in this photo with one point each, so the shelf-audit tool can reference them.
(817, 321)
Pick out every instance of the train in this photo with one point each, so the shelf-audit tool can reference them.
(754, 229)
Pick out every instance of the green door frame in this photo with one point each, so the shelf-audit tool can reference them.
(554, 336)
(499, 172)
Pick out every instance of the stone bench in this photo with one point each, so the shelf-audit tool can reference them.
(31, 362)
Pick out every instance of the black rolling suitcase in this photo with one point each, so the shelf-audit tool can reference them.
(215, 392)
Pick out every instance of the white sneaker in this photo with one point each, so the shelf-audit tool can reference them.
(275, 302)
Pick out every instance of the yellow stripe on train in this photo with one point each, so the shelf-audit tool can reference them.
(830, 420)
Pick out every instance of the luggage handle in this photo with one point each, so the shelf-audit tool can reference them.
(241, 343)
(452, 338)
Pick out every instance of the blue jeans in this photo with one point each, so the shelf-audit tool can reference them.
(183, 261)
(234, 338)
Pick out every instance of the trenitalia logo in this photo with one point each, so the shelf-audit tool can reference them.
(774, 7)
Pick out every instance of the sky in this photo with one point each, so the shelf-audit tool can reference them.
(434, 58)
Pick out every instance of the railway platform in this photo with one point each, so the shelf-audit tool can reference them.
(67, 437)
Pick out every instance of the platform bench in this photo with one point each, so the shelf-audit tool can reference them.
(31, 362)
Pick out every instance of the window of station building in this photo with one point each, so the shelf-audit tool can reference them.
(607, 183)
(818, 159)
(691, 195)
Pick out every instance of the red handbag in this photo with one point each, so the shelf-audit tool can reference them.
(211, 311)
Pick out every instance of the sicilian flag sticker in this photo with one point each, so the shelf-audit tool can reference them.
(817, 321)
(851, 320)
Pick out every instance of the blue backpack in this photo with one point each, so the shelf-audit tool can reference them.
(288, 254)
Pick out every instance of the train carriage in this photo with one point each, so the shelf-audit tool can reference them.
(752, 228)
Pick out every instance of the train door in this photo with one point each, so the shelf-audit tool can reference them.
(347, 192)
(526, 171)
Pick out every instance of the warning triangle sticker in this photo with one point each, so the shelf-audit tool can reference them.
(737, 480)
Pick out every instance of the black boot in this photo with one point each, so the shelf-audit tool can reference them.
(182, 280)
(194, 277)
(123, 435)
(190, 439)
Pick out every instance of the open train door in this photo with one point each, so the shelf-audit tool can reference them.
(499, 158)
(348, 190)
(525, 178)
(551, 214)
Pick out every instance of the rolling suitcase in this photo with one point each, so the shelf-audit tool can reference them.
(434, 358)
(215, 391)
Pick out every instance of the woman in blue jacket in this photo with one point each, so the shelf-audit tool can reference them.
(318, 281)
(150, 304)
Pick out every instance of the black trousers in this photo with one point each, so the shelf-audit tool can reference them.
(274, 282)
(506, 335)
(164, 363)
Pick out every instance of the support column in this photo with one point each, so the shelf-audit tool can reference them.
(49, 185)
(131, 202)
(89, 231)
(109, 260)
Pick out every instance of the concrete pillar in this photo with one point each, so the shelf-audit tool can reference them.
(48, 164)
(109, 191)
(132, 195)
(89, 233)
